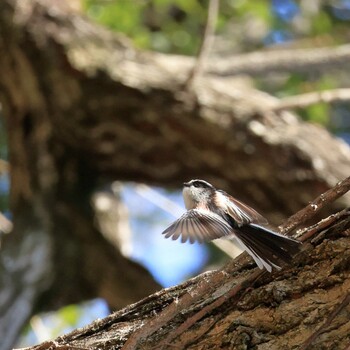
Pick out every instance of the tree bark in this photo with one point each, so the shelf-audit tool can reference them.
(303, 306)
(83, 107)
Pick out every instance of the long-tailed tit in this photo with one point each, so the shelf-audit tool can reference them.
(212, 214)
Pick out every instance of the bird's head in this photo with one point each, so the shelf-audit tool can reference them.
(197, 192)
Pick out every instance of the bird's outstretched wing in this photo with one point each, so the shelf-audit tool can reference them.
(198, 225)
(241, 213)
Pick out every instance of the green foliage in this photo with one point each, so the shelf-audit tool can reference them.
(321, 23)
(254, 9)
(172, 26)
(296, 84)
(159, 25)
(70, 314)
(318, 113)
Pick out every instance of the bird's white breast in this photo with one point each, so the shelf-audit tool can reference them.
(188, 198)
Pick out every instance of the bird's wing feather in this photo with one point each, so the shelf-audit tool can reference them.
(198, 225)
(241, 213)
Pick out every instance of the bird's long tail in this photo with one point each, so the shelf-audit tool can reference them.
(267, 248)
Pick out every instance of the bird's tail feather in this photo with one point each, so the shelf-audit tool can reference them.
(267, 248)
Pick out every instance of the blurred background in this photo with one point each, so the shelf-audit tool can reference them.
(177, 27)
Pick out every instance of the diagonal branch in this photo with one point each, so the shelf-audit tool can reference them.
(315, 206)
(172, 313)
(182, 303)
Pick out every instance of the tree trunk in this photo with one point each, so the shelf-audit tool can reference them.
(83, 107)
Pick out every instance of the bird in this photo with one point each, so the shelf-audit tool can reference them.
(212, 213)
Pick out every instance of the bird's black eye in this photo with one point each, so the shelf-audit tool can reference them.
(199, 184)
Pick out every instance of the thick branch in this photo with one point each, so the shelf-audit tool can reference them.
(239, 307)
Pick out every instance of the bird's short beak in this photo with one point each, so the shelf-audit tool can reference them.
(186, 184)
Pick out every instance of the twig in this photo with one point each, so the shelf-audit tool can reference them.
(283, 61)
(330, 318)
(305, 100)
(206, 44)
(307, 233)
(315, 206)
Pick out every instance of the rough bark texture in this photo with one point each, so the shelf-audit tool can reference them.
(305, 306)
(83, 107)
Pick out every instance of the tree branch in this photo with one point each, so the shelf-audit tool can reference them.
(228, 291)
(305, 100)
(206, 44)
(315, 206)
(283, 61)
